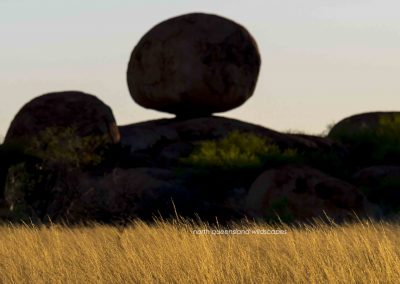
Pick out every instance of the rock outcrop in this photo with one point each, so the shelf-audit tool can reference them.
(64, 157)
(303, 193)
(381, 185)
(58, 134)
(194, 65)
(164, 142)
(364, 122)
(372, 138)
(124, 194)
(70, 109)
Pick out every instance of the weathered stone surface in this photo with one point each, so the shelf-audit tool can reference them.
(193, 65)
(302, 193)
(165, 141)
(69, 109)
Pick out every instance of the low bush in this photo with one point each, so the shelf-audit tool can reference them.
(238, 150)
(32, 185)
(64, 147)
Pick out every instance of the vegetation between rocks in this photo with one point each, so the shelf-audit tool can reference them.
(238, 150)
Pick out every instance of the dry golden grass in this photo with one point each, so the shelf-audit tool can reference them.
(364, 252)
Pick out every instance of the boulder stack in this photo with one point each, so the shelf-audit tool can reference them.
(196, 165)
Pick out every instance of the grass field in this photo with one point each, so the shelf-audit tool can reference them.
(169, 252)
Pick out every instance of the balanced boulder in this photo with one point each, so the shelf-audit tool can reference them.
(194, 65)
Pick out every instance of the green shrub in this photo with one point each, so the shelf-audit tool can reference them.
(64, 147)
(236, 151)
(59, 153)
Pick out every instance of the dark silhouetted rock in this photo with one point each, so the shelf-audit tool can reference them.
(373, 175)
(193, 65)
(64, 132)
(359, 123)
(303, 193)
(4, 209)
(164, 142)
(83, 112)
(126, 194)
(372, 138)
(381, 185)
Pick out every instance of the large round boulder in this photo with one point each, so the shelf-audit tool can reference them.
(364, 122)
(84, 113)
(376, 134)
(58, 133)
(303, 193)
(194, 65)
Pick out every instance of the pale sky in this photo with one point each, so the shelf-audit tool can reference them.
(322, 60)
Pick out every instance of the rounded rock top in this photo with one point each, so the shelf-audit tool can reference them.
(194, 65)
(69, 109)
(370, 121)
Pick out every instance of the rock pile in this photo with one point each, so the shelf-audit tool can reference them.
(193, 66)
